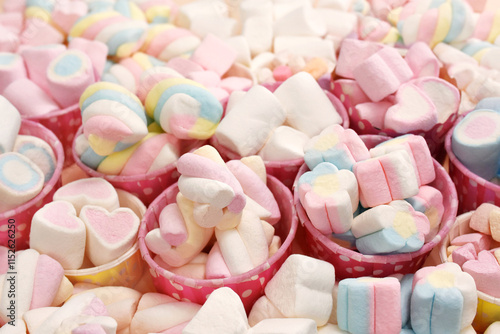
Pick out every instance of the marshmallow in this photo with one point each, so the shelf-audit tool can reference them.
(65, 14)
(184, 107)
(257, 190)
(37, 60)
(364, 303)
(68, 76)
(258, 32)
(11, 68)
(329, 197)
(422, 60)
(172, 226)
(216, 267)
(89, 191)
(463, 254)
(38, 151)
(351, 90)
(443, 95)
(10, 125)
(352, 53)
(382, 74)
(494, 327)
(480, 218)
(395, 227)
(95, 50)
(263, 309)
(305, 46)
(406, 283)
(285, 326)
(166, 41)
(373, 112)
(24, 95)
(244, 247)
(214, 54)
(296, 95)
(256, 164)
(386, 178)
(20, 180)
(195, 269)
(285, 143)
(475, 142)
(376, 30)
(418, 151)
(58, 232)
(485, 270)
(251, 121)
(480, 241)
(109, 234)
(443, 300)
(39, 32)
(9, 41)
(302, 288)
(222, 313)
(302, 21)
(339, 146)
(112, 117)
(429, 201)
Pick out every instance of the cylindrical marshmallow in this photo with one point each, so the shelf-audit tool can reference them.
(11, 68)
(29, 99)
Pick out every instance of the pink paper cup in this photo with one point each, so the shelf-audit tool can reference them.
(22, 215)
(145, 186)
(472, 189)
(351, 264)
(434, 137)
(488, 307)
(250, 285)
(285, 170)
(63, 123)
(125, 271)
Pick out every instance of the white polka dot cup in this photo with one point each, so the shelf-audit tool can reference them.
(16, 224)
(125, 271)
(350, 263)
(145, 186)
(250, 285)
(63, 123)
(472, 189)
(434, 137)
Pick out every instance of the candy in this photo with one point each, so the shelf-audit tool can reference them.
(282, 326)
(37, 60)
(285, 143)
(10, 125)
(166, 41)
(429, 201)
(37, 151)
(24, 94)
(11, 68)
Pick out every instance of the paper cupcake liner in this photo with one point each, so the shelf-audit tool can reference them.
(286, 170)
(352, 264)
(145, 186)
(63, 123)
(488, 307)
(24, 213)
(250, 285)
(128, 269)
(472, 189)
(434, 137)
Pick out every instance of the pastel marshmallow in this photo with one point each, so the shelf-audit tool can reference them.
(297, 94)
(305, 46)
(302, 288)
(363, 302)
(37, 60)
(57, 231)
(285, 143)
(38, 151)
(66, 15)
(395, 227)
(285, 325)
(464, 253)
(20, 180)
(351, 90)
(485, 270)
(422, 60)
(352, 53)
(216, 266)
(329, 196)
(385, 178)
(263, 309)
(478, 240)
(24, 94)
(10, 125)
(430, 202)
(11, 68)
(374, 112)
(89, 191)
(172, 227)
(302, 21)
(480, 218)
(210, 49)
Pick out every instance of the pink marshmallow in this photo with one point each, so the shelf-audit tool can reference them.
(89, 329)
(66, 13)
(231, 84)
(216, 267)
(9, 41)
(37, 60)
(184, 66)
(28, 98)
(206, 78)
(17, 6)
(48, 276)
(374, 112)
(11, 68)
(351, 89)
(220, 94)
(478, 240)
(214, 54)
(12, 21)
(480, 219)
(39, 32)
(352, 53)
(172, 226)
(95, 50)
(382, 73)
(282, 72)
(463, 254)
(486, 273)
(422, 60)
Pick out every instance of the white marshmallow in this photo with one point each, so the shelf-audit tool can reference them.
(305, 46)
(240, 45)
(258, 32)
(201, 190)
(285, 143)
(222, 313)
(10, 125)
(263, 309)
(308, 108)
(338, 23)
(222, 27)
(285, 326)
(34, 318)
(302, 288)
(190, 12)
(302, 21)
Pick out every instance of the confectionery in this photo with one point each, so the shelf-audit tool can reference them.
(249, 166)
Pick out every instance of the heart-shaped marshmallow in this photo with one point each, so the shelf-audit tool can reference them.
(486, 273)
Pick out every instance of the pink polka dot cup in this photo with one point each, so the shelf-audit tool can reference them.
(472, 189)
(21, 216)
(350, 263)
(250, 285)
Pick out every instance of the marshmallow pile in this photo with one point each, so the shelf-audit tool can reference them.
(477, 250)
(399, 212)
(392, 92)
(227, 200)
(476, 139)
(276, 125)
(27, 163)
(84, 226)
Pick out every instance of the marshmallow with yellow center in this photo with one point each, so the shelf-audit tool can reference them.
(329, 196)
(444, 299)
(395, 227)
